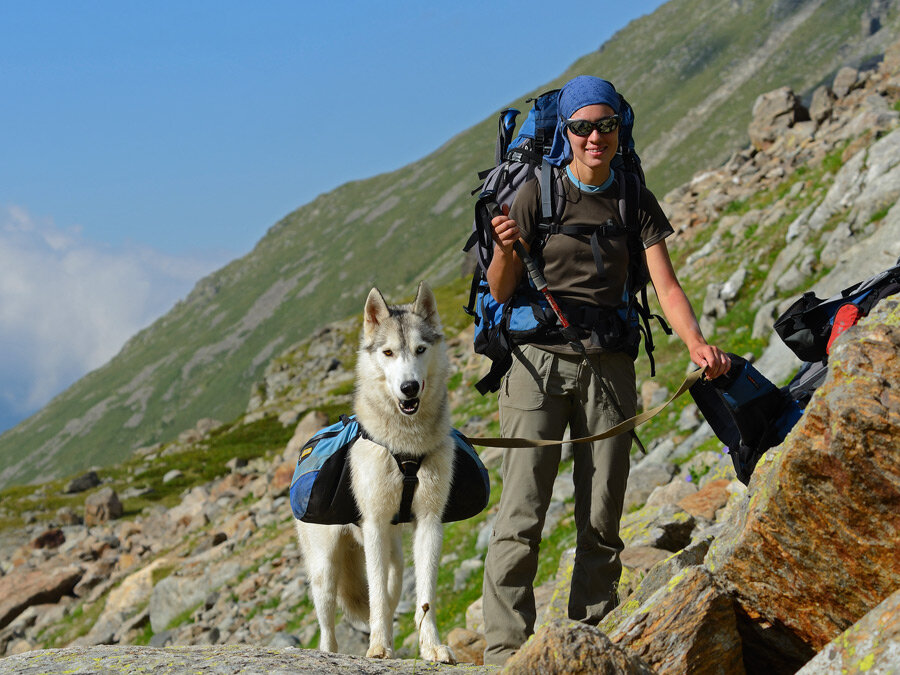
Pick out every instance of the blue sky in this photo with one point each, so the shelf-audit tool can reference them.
(144, 145)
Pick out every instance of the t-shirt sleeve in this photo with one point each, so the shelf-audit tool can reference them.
(655, 226)
(526, 207)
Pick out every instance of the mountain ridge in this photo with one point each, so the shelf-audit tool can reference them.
(201, 358)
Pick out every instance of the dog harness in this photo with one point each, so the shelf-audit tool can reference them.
(409, 467)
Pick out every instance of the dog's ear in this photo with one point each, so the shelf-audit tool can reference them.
(425, 305)
(376, 311)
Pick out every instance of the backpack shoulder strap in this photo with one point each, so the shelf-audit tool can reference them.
(546, 191)
(553, 193)
(629, 202)
(638, 275)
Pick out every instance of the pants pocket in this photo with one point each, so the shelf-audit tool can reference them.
(525, 385)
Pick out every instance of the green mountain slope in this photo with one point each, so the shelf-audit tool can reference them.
(692, 70)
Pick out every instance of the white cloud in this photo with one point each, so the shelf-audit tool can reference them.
(68, 305)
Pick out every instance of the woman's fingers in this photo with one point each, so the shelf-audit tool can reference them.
(506, 232)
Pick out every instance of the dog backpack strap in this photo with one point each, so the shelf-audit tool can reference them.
(409, 467)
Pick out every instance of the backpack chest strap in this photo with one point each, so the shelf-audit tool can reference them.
(609, 229)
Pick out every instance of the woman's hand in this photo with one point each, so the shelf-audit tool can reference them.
(712, 358)
(506, 267)
(506, 232)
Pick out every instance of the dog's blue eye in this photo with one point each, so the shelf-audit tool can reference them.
(388, 352)
(420, 350)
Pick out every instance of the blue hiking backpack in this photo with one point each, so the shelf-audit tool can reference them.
(526, 317)
(747, 413)
(321, 490)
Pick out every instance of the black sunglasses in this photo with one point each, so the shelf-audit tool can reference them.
(585, 127)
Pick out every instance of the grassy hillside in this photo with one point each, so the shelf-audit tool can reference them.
(691, 69)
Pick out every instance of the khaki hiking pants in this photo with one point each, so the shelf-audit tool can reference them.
(541, 395)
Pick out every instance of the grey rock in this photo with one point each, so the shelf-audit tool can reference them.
(845, 81)
(667, 527)
(216, 660)
(773, 113)
(465, 570)
(643, 479)
(162, 639)
(102, 506)
(871, 645)
(792, 278)
(764, 321)
(778, 363)
(66, 516)
(82, 483)
(284, 641)
(408, 591)
(689, 418)
(172, 475)
(732, 287)
(564, 487)
(176, 594)
(713, 305)
(555, 513)
(653, 394)
(822, 104)
(484, 534)
(656, 578)
(672, 493)
(687, 446)
(660, 452)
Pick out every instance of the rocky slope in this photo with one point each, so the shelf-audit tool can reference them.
(692, 69)
(190, 543)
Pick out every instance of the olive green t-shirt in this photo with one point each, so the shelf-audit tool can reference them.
(569, 265)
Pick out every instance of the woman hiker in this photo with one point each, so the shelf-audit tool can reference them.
(549, 387)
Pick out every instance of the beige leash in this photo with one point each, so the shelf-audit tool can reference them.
(621, 428)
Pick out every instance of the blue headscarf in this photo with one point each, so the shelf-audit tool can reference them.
(577, 93)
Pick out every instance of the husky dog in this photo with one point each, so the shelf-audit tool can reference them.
(401, 402)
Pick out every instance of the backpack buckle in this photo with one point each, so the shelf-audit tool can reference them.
(548, 228)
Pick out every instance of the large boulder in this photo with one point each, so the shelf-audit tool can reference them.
(231, 658)
(816, 543)
(773, 114)
(311, 423)
(654, 579)
(872, 645)
(101, 507)
(83, 482)
(23, 588)
(563, 646)
(175, 594)
(688, 626)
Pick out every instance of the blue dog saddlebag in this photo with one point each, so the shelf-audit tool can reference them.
(321, 491)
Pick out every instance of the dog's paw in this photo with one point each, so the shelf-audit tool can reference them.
(379, 652)
(439, 653)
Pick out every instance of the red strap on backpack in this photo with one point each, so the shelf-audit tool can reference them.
(845, 317)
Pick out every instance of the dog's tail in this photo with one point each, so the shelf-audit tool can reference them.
(352, 589)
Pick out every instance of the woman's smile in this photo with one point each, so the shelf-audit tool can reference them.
(591, 154)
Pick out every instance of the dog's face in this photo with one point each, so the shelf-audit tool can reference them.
(401, 342)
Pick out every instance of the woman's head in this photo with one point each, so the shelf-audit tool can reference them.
(590, 99)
